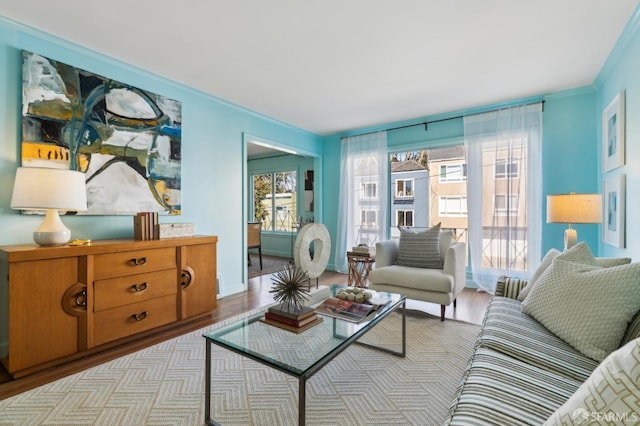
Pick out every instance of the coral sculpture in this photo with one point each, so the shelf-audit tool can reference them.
(290, 288)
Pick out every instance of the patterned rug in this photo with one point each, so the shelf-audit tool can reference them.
(270, 264)
(164, 384)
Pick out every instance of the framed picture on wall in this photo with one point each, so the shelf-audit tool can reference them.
(613, 134)
(613, 225)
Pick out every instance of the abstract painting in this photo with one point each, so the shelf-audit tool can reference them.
(613, 137)
(613, 228)
(126, 140)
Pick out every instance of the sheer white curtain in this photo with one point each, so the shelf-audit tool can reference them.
(362, 211)
(504, 192)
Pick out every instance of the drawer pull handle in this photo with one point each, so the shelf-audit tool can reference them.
(140, 317)
(81, 298)
(139, 287)
(139, 261)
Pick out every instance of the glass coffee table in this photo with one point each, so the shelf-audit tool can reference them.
(299, 355)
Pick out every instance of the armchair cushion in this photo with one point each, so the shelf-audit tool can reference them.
(417, 278)
(420, 249)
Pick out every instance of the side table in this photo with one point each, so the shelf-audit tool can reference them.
(359, 268)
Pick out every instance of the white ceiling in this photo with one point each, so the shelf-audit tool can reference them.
(332, 65)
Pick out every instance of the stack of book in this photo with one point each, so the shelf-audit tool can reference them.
(296, 321)
(144, 226)
(363, 250)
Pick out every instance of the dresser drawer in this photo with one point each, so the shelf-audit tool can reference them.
(133, 262)
(123, 321)
(136, 288)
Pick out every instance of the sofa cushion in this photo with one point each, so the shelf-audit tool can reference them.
(418, 278)
(420, 249)
(610, 395)
(544, 264)
(501, 390)
(608, 262)
(587, 306)
(506, 329)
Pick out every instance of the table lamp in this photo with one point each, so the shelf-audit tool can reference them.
(573, 208)
(38, 188)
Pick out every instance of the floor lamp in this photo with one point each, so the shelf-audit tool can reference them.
(571, 209)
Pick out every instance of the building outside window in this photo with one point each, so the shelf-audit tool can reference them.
(450, 173)
(506, 168)
(506, 205)
(404, 188)
(452, 205)
(404, 218)
(369, 190)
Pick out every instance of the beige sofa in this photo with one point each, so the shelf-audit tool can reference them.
(440, 286)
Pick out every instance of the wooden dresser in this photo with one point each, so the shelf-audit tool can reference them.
(62, 303)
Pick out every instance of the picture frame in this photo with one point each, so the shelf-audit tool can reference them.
(613, 133)
(613, 224)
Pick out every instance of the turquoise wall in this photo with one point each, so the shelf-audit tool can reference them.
(213, 152)
(620, 73)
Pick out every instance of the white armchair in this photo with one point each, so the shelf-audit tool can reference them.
(440, 286)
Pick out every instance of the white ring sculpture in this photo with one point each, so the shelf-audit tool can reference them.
(319, 235)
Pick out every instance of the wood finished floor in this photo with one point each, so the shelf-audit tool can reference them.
(471, 306)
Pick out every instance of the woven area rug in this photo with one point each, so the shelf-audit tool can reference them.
(164, 384)
(270, 264)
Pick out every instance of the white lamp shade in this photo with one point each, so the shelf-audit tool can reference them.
(38, 188)
(574, 208)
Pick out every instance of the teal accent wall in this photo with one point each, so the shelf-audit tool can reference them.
(620, 73)
(569, 159)
(213, 151)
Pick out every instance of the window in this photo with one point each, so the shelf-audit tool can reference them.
(450, 173)
(404, 218)
(506, 205)
(368, 218)
(369, 190)
(452, 206)
(404, 188)
(277, 213)
(506, 168)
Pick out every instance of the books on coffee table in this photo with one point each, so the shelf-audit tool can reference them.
(295, 321)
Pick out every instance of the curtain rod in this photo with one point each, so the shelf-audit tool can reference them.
(426, 123)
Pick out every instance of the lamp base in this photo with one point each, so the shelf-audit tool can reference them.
(570, 238)
(52, 231)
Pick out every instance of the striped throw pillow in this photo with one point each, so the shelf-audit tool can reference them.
(420, 249)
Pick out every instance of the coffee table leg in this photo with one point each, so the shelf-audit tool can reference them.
(207, 386)
(302, 399)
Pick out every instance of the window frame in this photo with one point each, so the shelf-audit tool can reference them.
(404, 195)
(442, 177)
(274, 208)
(507, 164)
(404, 213)
(447, 213)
